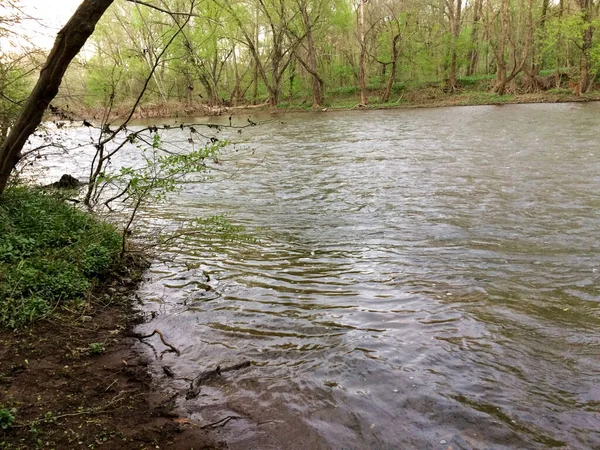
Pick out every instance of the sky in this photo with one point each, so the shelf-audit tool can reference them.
(47, 18)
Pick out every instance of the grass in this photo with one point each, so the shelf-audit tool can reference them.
(51, 255)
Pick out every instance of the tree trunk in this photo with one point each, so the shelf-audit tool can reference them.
(256, 60)
(313, 68)
(67, 45)
(474, 52)
(501, 79)
(585, 60)
(363, 54)
(454, 15)
(390, 83)
(543, 19)
(532, 82)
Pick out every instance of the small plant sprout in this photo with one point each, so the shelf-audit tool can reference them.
(96, 348)
(7, 417)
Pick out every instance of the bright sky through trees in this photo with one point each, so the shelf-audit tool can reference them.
(45, 18)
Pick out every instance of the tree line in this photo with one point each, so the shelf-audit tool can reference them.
(236, 52)
(285, 51)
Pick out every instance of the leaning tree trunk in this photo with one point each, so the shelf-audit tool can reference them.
(67, 45)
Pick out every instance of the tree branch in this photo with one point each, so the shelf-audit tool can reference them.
(172, 13)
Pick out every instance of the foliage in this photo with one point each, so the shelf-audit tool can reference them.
(7, 417)
(16, 64)
(250, 52)
(14, 86)
(163, 173)
(96, 348)
(51, 253)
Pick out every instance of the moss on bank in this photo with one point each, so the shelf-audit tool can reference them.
(51, 254)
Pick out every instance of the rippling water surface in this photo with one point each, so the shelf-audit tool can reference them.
(420, 279)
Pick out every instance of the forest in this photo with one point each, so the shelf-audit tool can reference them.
(317, 53)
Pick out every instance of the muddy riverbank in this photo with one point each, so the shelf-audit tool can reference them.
(428, 98)
(80, 380)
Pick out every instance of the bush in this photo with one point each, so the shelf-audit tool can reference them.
(51, 253)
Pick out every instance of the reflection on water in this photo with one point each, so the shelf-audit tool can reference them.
(419, 279)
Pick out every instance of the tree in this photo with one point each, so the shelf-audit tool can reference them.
(502, 75)
(363, 53)
(310, 63)
(474, 52)
(585, 60)
(67, 45)
(454, 10)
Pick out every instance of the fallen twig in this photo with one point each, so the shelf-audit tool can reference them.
(196, 383)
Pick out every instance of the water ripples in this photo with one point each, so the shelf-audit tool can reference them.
(417, 277)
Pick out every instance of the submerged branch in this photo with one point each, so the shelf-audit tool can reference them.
(203, 377)
(162, 338)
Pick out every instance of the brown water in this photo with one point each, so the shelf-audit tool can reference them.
(420, 279)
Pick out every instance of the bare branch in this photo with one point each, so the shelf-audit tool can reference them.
(172, 13)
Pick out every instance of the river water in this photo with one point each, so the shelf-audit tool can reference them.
(416, 279)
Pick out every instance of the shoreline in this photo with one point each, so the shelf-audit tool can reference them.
(67, 396)
(73, 373)
(470, 98)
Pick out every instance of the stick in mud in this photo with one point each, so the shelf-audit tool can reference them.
(203, 377)
(220, 423)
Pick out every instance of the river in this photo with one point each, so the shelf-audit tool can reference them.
(420, 279)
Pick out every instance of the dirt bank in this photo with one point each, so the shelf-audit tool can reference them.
(77, 381)
(425, 98)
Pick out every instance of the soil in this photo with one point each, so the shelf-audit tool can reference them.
(78, 381)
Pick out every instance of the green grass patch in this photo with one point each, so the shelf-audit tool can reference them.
(51, 254)
(560, 91)
(562, 70)
(475, 80)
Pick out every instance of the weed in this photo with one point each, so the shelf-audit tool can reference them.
(7, 417)
(96, 348)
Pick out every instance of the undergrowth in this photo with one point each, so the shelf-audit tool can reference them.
(51, 254)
